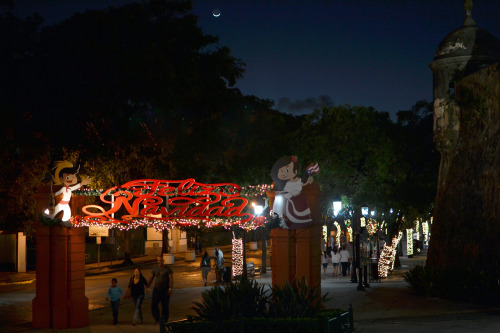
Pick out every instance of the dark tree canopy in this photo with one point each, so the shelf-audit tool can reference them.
(372, 161)
(140, 91)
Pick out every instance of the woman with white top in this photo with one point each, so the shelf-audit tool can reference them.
(336, 261)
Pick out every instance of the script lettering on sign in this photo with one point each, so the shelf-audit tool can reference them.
(176, 201)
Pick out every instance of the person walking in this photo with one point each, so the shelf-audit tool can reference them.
(344, 260)
(219, 265)
(324, 261)
(136, 291)
(115, 292)
(336, 261)
(331, 245)
(205, 267)
(164, 281)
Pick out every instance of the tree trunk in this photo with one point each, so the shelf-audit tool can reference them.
(126, 249)
(263, 239)
(466, 228)
(244, 234)
(165, 247)
(397, 262)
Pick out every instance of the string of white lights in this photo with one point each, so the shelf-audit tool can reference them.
(237, 267)
(388, 256)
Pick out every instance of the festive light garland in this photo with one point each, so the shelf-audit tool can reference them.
(237, 266)
(425, 231)
(409, 242)
(250, 192)
(388, 255)
(417, 228)
(337, 236)
(371, 226)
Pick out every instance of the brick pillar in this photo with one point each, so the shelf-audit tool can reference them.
(78, 303)
(41, 303)
(59, 276)
(60, 300)
(297, 253)
(315, 255)
(283, 256)
(303, 253)
(313, 194)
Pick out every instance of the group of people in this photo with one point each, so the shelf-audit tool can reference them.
(138, 286)
(340, 258)
(162, 275)
(205, 265)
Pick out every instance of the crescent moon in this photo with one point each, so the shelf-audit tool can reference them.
(216, 13)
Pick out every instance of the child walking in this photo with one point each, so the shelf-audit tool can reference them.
(114, 295)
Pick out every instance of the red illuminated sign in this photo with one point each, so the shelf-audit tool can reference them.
(176, 201)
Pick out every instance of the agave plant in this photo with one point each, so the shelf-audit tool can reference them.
(296, 300)
(242, 298)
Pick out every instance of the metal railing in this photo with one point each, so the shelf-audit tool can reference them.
(342, 323)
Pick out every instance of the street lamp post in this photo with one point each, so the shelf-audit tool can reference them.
(364, 212)
(355, 263)
(337, 208)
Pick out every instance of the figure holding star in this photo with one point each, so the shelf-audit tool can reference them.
(65, 174)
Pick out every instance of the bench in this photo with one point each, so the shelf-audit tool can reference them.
(252, 270)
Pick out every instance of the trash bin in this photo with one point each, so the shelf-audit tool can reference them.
(374, 269)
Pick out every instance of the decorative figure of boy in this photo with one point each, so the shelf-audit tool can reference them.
(65, 174)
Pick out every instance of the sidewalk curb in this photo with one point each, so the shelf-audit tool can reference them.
(106, 269)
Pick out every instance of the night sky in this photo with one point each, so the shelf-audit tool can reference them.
(306, 53)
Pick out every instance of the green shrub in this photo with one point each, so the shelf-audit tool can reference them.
(454, 283)
(417, 280)
(297, 300)
(246, 299)
(242, 298)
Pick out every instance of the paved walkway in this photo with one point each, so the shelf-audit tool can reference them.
(387, 306)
